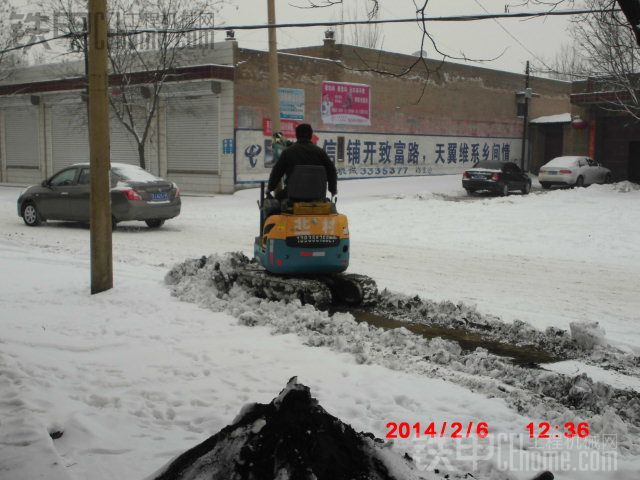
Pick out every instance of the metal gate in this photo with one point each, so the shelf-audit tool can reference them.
(192, 134)
(124, 148)
(69, 135)
(21, 137)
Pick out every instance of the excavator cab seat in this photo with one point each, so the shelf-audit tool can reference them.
(307, 183)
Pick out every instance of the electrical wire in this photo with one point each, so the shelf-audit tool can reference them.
(513, 36)
(453, 18)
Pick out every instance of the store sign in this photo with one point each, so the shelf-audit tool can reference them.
(287, 128)
(291, 103)
(374, 155)
(346, 103)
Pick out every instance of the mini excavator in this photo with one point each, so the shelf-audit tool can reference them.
(302, 249)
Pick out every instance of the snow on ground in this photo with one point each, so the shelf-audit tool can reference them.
(133, 376)
(571, 367)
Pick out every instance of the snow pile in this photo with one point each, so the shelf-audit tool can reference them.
(626, 187)
(534, 392)
(461, 316)
(585, 340)
(587, 334)
(292, 437)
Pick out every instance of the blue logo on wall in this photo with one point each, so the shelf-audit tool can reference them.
(252, 152)
(227, 146)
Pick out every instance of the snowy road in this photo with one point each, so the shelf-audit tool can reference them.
(134, 376)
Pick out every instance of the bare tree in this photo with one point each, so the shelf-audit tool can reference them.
(429, 48)
(10, 35)
(147, 40)
(568, 64)
(608, 43)
(428, 45)
(552, 4)
(368, 36)
(155, 54)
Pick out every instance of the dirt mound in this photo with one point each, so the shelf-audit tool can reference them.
(292, 437)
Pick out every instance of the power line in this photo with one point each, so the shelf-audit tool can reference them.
(39, 42)
(453, 18)
(516, 39)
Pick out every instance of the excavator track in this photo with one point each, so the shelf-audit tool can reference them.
(321, 291)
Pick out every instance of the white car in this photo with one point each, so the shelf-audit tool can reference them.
(573, 171)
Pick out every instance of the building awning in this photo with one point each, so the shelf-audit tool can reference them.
(197, 72)
(559, 118)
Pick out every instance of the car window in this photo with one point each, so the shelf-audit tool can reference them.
(85, 177)
(489, 164)
(562, 162)
(134, 174)
(581, 163)
(592, 163)
(65, 177)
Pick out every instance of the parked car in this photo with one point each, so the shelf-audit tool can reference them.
(494, 176)
(135, 195)
(573, 171)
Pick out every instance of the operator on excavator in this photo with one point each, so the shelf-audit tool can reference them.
(303, 152)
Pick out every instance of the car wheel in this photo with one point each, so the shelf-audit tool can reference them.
(607, 178)
(526, 189)
(470, 191)
(114, 223)
(505, 190)
(545, 185)
(580, 181)
(155, 223)
(30, 215)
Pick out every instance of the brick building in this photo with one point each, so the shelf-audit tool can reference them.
(612, 137)
(211, 131)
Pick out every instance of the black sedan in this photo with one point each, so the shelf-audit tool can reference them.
(497, 177)
(135, 195)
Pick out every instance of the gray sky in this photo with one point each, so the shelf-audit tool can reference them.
(536, 40)
(540, 38)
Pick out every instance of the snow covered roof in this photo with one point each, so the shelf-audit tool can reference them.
(559, 118)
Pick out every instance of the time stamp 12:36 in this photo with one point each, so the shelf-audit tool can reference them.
(481, 430)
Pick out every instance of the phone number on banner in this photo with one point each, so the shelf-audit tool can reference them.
(383, 171)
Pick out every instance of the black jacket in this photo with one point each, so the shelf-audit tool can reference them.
(303, 152)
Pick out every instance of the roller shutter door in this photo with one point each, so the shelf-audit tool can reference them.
(70, 138)
(192, 134)
(21, 137)
(124, 148)
(69, 135)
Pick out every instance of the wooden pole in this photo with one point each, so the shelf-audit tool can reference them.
(99, 149)
(525, 119)
(273, 69)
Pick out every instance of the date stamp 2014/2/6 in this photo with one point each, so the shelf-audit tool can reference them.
(433, 429)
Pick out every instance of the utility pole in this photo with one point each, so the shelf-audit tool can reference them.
(527, 96)
(85, 51)
(99, 149)
(273, 69)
